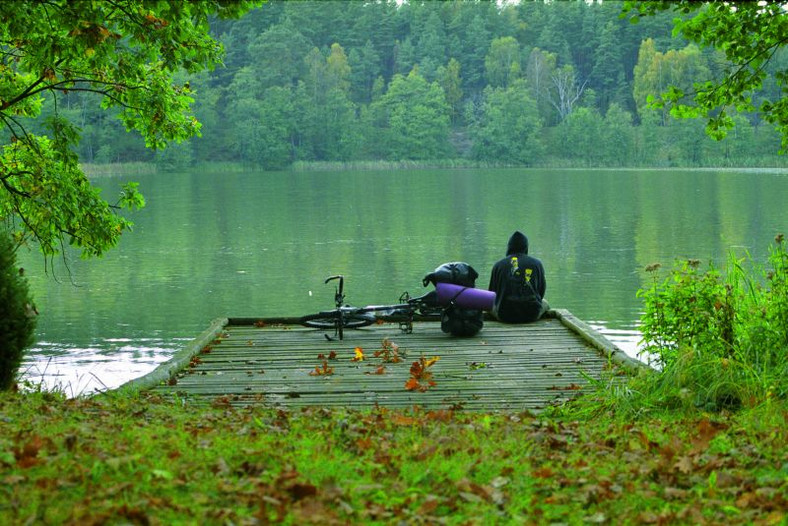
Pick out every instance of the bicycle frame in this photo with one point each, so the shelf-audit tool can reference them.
(346, 316)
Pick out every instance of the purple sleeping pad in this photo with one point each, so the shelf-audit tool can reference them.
(466, 297)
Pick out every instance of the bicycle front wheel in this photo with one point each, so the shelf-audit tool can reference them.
(327, 320)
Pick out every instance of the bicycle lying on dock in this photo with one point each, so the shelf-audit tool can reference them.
(431, 305)
(344, 316)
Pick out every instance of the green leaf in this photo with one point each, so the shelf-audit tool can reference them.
(162, 474)
(130, 197)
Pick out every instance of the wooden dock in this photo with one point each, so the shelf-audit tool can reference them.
(277, 363)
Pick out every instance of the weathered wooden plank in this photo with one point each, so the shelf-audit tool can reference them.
(231, 355)
(477, 403)
(601, 343)
(478, 361)
(380, 381)
(505, 367)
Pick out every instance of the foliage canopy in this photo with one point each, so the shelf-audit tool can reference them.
(305, 82)
(126, 52)
(749, 34)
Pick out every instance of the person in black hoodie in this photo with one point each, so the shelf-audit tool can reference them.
(518, 281)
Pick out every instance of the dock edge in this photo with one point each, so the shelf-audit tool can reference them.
(164, 371)
(599, 342)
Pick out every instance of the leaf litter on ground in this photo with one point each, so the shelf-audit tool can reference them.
(150, 460)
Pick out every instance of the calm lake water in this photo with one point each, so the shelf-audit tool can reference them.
(212, 245)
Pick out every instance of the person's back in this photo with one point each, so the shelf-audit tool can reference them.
(519, 283)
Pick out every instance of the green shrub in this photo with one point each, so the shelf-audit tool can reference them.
(17, 317)
(720, 339)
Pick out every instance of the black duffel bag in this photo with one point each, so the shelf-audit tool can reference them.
(455, 320)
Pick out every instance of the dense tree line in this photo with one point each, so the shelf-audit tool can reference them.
(535, 84)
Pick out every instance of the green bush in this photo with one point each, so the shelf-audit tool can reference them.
(17, 316)
(720, 339)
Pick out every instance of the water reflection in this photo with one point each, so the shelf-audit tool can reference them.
(105, 364)
(628, 340)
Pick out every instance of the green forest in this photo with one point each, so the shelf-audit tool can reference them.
(451, 83)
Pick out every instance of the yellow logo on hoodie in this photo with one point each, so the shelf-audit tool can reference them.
(516, 269)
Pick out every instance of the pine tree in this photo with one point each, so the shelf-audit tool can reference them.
(17, 314)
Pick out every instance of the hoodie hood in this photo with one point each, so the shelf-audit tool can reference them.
(518, 244)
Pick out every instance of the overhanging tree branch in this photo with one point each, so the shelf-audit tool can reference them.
(29, 91)
(126, 51)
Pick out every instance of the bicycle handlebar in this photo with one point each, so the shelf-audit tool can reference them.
(340, 277)
(339, 295)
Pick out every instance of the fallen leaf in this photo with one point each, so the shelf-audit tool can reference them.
(675, 493)
(542, 473)
(299, 491)
(412, 384)
(420, 375)
(402, 420)
(596, 518)
(470, 497)
(684, 464)
(323, 370)
(429, 505)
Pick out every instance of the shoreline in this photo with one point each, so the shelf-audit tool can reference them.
(145, 168)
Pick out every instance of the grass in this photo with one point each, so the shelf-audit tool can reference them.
(149, 460)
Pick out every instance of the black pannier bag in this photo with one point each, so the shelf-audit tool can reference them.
(457, 321)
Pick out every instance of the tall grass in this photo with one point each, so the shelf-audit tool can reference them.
(405, 164)
(719, 338)
(118, 169)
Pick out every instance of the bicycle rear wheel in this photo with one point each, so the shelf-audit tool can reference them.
(328, 320)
